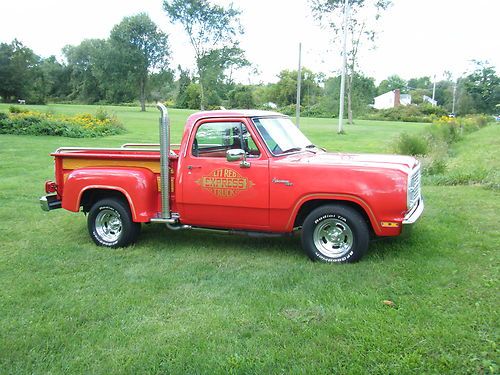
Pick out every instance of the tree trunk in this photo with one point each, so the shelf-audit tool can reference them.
(202, 89)
(202, 95)
(349, 100)
(143, 94)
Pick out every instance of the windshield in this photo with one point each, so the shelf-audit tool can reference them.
(281, 135)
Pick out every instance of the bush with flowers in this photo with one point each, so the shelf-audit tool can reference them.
(29, 122)
(433, 149)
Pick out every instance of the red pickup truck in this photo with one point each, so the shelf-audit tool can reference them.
(248, 172)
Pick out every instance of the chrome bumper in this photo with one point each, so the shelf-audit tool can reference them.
(49, 202)
(412, 216)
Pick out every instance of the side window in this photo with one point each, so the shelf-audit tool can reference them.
(213, 139)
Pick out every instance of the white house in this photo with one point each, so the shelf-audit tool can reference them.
(428, 99)
(391, 99)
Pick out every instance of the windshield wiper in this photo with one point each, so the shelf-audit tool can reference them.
(314, 146)
(291, 150)
(298, 149)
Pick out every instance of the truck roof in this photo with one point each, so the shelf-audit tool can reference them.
(231, 113)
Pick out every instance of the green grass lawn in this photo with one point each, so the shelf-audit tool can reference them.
(180, 302)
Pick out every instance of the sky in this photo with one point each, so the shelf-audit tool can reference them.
(417, 37)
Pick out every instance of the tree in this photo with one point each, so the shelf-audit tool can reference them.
(241, 97)
(364, 91)
(182, 84)
(142, 48)
(209, 27)
(18, 66)
(193, 96)
(56, 78)
(162, 85)
(284, 92)
(423, 83)
(84, 65)
(217, 66)
(392, 83)
(361, 30)
(483, 86)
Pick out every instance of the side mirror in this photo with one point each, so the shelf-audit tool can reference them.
(238, 155)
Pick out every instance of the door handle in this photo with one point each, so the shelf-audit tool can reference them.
(193, 166)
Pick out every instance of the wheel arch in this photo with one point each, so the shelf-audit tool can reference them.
(91, 195)
(308, 205)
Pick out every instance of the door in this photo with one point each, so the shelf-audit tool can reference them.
(220, 193)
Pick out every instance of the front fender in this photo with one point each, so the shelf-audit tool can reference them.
(138, 185)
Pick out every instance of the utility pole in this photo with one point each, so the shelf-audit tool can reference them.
(434, 90)
(344, 64)
(299, 79)
(454, 96)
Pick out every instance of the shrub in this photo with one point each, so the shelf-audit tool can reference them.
(445, 129)
(27, 122)
(461, 177)
(14, 109)
(408, 113)
(411, 144)
(317, 110)
(451, 129)
(437, 159)
(288, 110)
(473, 122)
(434, 166)
(433, 148)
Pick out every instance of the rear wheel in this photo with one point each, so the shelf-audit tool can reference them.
(110, 223)
(335, 234)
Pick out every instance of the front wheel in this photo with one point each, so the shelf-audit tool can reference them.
(110, 223)
(335, 234)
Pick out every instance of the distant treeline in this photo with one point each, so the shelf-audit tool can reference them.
(109, 71)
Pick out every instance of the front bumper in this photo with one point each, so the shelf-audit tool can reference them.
(412, 216)
(49, 202)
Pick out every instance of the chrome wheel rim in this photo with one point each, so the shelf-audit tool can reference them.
(108, 225)
(333, 238)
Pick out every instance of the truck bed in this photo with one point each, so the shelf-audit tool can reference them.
(146, 156)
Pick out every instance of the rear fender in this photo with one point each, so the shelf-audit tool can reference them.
(138, 185)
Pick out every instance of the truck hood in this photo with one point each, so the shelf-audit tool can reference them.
(400, 162)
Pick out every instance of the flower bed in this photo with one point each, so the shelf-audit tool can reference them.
(29, 122)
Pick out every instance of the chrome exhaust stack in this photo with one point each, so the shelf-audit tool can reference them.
(166, 217)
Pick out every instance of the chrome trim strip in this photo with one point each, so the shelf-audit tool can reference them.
(164, 220)
(134, 145)
(63, 149)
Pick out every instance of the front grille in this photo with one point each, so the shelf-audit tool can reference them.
(414, 188)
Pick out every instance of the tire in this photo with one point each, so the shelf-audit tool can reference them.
(335, 234)
(110, 223)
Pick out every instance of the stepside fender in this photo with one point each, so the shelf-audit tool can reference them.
(138, 185)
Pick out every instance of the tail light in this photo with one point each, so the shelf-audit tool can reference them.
(50, 187)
